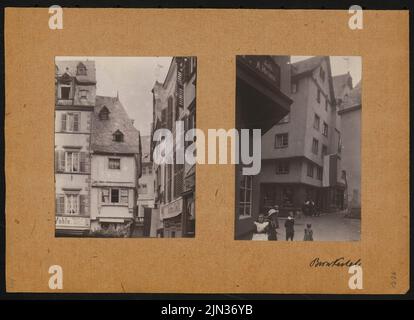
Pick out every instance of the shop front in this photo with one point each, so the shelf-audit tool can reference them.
(67, 225)
(171, 217)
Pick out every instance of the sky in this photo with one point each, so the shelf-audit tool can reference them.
(341, 65)
(133, 79)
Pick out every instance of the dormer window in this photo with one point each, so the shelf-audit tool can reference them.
(118, 136)
(81, 69)
(104, 113)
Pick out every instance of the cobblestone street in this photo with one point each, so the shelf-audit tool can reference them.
(327, 227)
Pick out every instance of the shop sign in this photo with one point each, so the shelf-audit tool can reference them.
(172, 209)
(266, 67)
(72, 222)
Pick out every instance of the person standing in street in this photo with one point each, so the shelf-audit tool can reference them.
(308, 236)
(289, 226)
(273, 223)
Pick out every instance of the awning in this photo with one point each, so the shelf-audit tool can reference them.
(113, 220)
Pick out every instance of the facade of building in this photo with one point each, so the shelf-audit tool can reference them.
(342, 86)
(350, 113)
(116, 167)
(262, 100)
(75, 101)
(146, 191)
(174, 100)
(301, 154)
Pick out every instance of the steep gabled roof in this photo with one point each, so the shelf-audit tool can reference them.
(307, 65)
(353, 99)
(340, 82)
(103, 130)
(70, 68)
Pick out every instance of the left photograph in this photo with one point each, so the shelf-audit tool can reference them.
(108, 115)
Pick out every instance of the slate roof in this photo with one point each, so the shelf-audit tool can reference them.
(353, 99)
(70, 68)
(306, 65)
(103, 130)
(339, 83)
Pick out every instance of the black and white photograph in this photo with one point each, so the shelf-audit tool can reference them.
(308, 109)
(107, 111)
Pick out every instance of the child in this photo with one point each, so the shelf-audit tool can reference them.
(308, 233)
(289, 226)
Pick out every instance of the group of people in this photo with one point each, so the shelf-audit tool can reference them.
(267, 224)
(309, 209)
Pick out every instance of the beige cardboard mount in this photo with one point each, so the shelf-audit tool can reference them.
(213, 262)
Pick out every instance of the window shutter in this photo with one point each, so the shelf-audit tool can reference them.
(61, 157)
(56, 161)
(76, 122)
(84, 204)
(84, 162)
(63, 123)
(60, 204)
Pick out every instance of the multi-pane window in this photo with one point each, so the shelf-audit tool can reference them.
(316, 122)
(115, 196)
(72, 204)
(281, 140)
(310, 169)
(72, 161)
(245, 202)
(315, 146)
(114, 163)
(70, 121)
(319, 173)
(282, 167)
(325, 129)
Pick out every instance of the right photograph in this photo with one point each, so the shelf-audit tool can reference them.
(308, 109)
